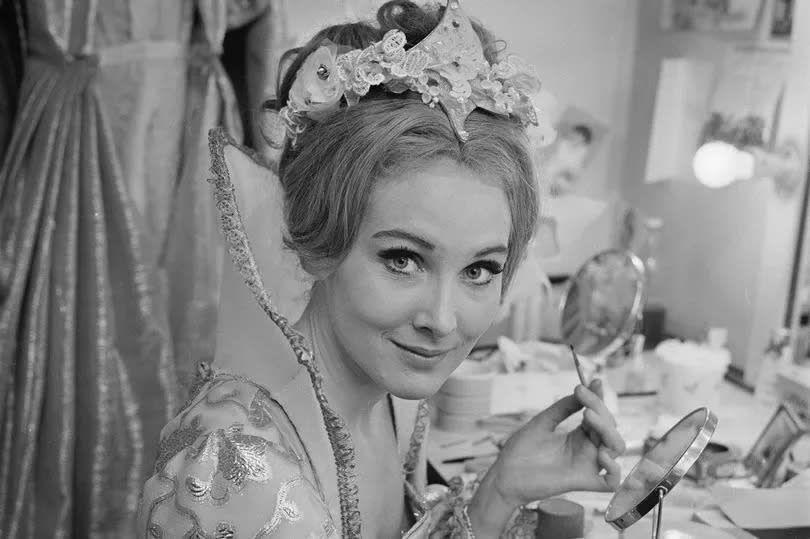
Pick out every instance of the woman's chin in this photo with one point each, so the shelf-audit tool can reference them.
(415, 389)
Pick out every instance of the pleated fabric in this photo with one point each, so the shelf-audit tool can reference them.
(110, 258)
(86, 360)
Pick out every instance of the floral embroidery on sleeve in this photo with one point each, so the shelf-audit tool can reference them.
(227, 468)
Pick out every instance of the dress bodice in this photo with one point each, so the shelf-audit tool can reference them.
(242, 459)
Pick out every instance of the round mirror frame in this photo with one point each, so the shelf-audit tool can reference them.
(671, 478)
(629, 325)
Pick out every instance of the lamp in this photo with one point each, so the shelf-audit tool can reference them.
(717, 164)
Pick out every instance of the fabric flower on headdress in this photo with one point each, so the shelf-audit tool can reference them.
(317, 89)
(505, 88)
(514, 72)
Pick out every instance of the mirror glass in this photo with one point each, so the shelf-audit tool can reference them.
(662, 466)
(603, 302)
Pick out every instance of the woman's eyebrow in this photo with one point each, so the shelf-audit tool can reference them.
(495, 250)
(397, 233)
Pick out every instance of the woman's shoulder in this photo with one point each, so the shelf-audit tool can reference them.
(231, 461)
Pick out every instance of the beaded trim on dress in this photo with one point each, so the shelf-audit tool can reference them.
(242, 256)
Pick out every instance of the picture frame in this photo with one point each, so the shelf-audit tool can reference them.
(780, 19)
(772, 444)
(776, 30)
(734, 17)
(578, 137)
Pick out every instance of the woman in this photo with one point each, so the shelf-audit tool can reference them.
(411, 219)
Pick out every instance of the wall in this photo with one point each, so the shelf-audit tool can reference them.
(583, 53)
(725, 255)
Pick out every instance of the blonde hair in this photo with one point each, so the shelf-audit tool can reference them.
(330, 173)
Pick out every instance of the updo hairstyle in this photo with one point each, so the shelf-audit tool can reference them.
(328, 176)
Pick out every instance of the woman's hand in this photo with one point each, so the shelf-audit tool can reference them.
(537, 462)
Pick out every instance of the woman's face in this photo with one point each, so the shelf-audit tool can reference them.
(422, 280)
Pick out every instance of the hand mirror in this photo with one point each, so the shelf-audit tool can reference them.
(659, 470)
(601, 307)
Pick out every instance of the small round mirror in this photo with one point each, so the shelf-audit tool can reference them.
(660, 469)
(602, 304)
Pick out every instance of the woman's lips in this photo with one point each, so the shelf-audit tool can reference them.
(427, 353)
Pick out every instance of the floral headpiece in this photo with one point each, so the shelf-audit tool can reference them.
(448, 68)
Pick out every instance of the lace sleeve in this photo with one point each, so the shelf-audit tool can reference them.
(227, 469)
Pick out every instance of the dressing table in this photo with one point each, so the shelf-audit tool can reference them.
(600, 311)
(740, 419)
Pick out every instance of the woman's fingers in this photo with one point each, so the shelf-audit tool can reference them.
(591, 400)
(613, 472)
(558, 412)
(597, 388)
(606, 430)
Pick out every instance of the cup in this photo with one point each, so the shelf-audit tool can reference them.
(465, 397)
(689, 382)
(559, 518)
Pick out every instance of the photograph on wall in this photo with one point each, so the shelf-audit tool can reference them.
(781, 22)
(711, 15)
(579, 134)
(745, 102)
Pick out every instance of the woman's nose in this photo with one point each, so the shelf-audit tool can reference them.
(437, 314)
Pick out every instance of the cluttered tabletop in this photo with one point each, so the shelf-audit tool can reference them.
(477, 409)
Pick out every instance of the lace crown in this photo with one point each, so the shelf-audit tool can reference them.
(447, 68)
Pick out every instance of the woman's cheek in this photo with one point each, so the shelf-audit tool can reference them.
(479, 313)
(380, 299)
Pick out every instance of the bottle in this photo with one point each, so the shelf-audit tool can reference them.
(801, 337)
(654, 313)
(716, 362)
(776, 354)
(716, 340)
(636, 375)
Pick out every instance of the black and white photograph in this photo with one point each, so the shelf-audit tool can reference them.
(772, 445)
(423, 269)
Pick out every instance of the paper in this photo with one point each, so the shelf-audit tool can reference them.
(573, 214)
(514, 393)
(681, 103)
(765, 508)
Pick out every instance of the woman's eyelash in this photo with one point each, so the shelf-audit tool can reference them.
(388, 255)
(398, 252)
(491, 266)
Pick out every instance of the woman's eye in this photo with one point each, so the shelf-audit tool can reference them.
(475, 273)
(399, 261)
(482, 274)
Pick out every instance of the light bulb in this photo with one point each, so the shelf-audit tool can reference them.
(717, 164)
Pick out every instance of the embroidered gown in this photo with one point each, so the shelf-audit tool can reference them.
(114, 110)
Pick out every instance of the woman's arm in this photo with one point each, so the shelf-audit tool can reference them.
(489, 510)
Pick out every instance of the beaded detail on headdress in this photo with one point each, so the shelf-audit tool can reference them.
(447, 68)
